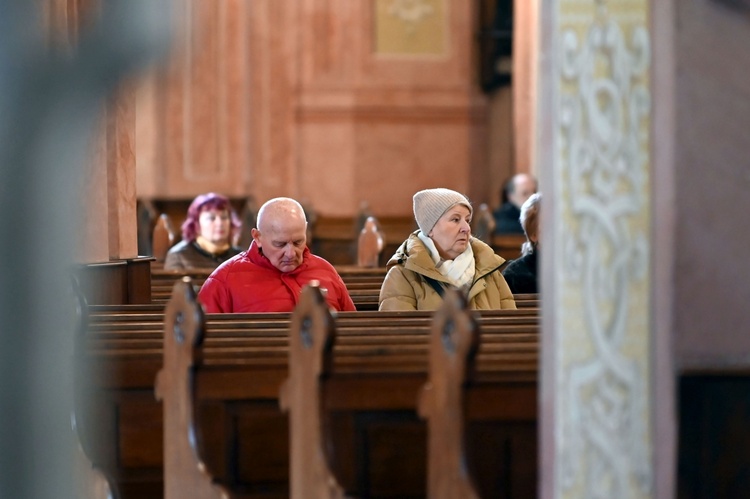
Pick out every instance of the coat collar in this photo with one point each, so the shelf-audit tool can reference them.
(255, 255)
(414, 256)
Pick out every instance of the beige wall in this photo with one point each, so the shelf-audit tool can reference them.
(330, 101)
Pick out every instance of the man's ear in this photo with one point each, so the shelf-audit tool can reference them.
(256, 235)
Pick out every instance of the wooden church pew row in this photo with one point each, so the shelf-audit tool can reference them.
(125, 379)
(347, 273)
(363, 285)
(132, 330)
(231, 336)
(357, 393)
(523, 301)
(454, 341)
(119, 347)
(129, 377)
(365, 296)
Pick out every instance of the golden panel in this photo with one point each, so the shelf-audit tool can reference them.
(410, 27)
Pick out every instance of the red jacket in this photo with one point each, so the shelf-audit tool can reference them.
(249, 282)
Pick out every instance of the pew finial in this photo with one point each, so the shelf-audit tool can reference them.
(370, 243)
(163, 237)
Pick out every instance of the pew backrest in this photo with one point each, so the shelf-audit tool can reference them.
(184, 330)
(311, 339)
(454, 341)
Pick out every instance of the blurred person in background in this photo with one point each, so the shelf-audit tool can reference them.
(515, 192)
(207, 234)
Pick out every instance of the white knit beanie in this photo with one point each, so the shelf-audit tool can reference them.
(431, 204)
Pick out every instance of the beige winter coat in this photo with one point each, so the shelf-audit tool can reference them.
(404, 288)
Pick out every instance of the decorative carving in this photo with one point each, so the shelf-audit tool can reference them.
(605, 105)
(410, 12)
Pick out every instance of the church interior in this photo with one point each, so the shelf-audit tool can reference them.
(626, 376)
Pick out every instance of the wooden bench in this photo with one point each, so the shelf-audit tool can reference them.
(363, 283)
(454, 341)
(370, 400)
(508, 246)
(125, 344)
(335, 238)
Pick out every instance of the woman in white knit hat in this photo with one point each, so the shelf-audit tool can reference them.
(442, 254)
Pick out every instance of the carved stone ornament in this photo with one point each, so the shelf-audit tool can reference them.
(603, 426)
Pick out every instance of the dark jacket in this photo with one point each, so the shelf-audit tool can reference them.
(520, 274)
(506, 219)
(188, 255)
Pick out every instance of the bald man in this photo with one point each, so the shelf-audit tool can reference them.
(516, 191)
(269, 276)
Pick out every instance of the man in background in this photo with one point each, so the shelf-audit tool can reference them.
(515, 192)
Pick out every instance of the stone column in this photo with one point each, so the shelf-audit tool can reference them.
(595, 153)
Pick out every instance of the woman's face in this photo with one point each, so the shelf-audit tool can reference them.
(213, 225)
(452, 231)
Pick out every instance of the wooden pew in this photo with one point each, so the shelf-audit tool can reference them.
(175, 385)
(311, 340)
(125, 344)
(362, 400)
(335, 238)
(370, 244)
(163, 238)
(508, 246)
(363, 285)
(471, 452)
(454, 341)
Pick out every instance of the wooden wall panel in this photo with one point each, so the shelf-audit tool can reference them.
(122, 240)
(525, 74)
(274, 37)
(300, 98)
(378, 121)
(107, 228)
(203, 103)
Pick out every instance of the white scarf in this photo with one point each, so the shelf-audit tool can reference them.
(459, 271)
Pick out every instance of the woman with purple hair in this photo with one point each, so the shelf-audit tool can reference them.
(207, 234)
